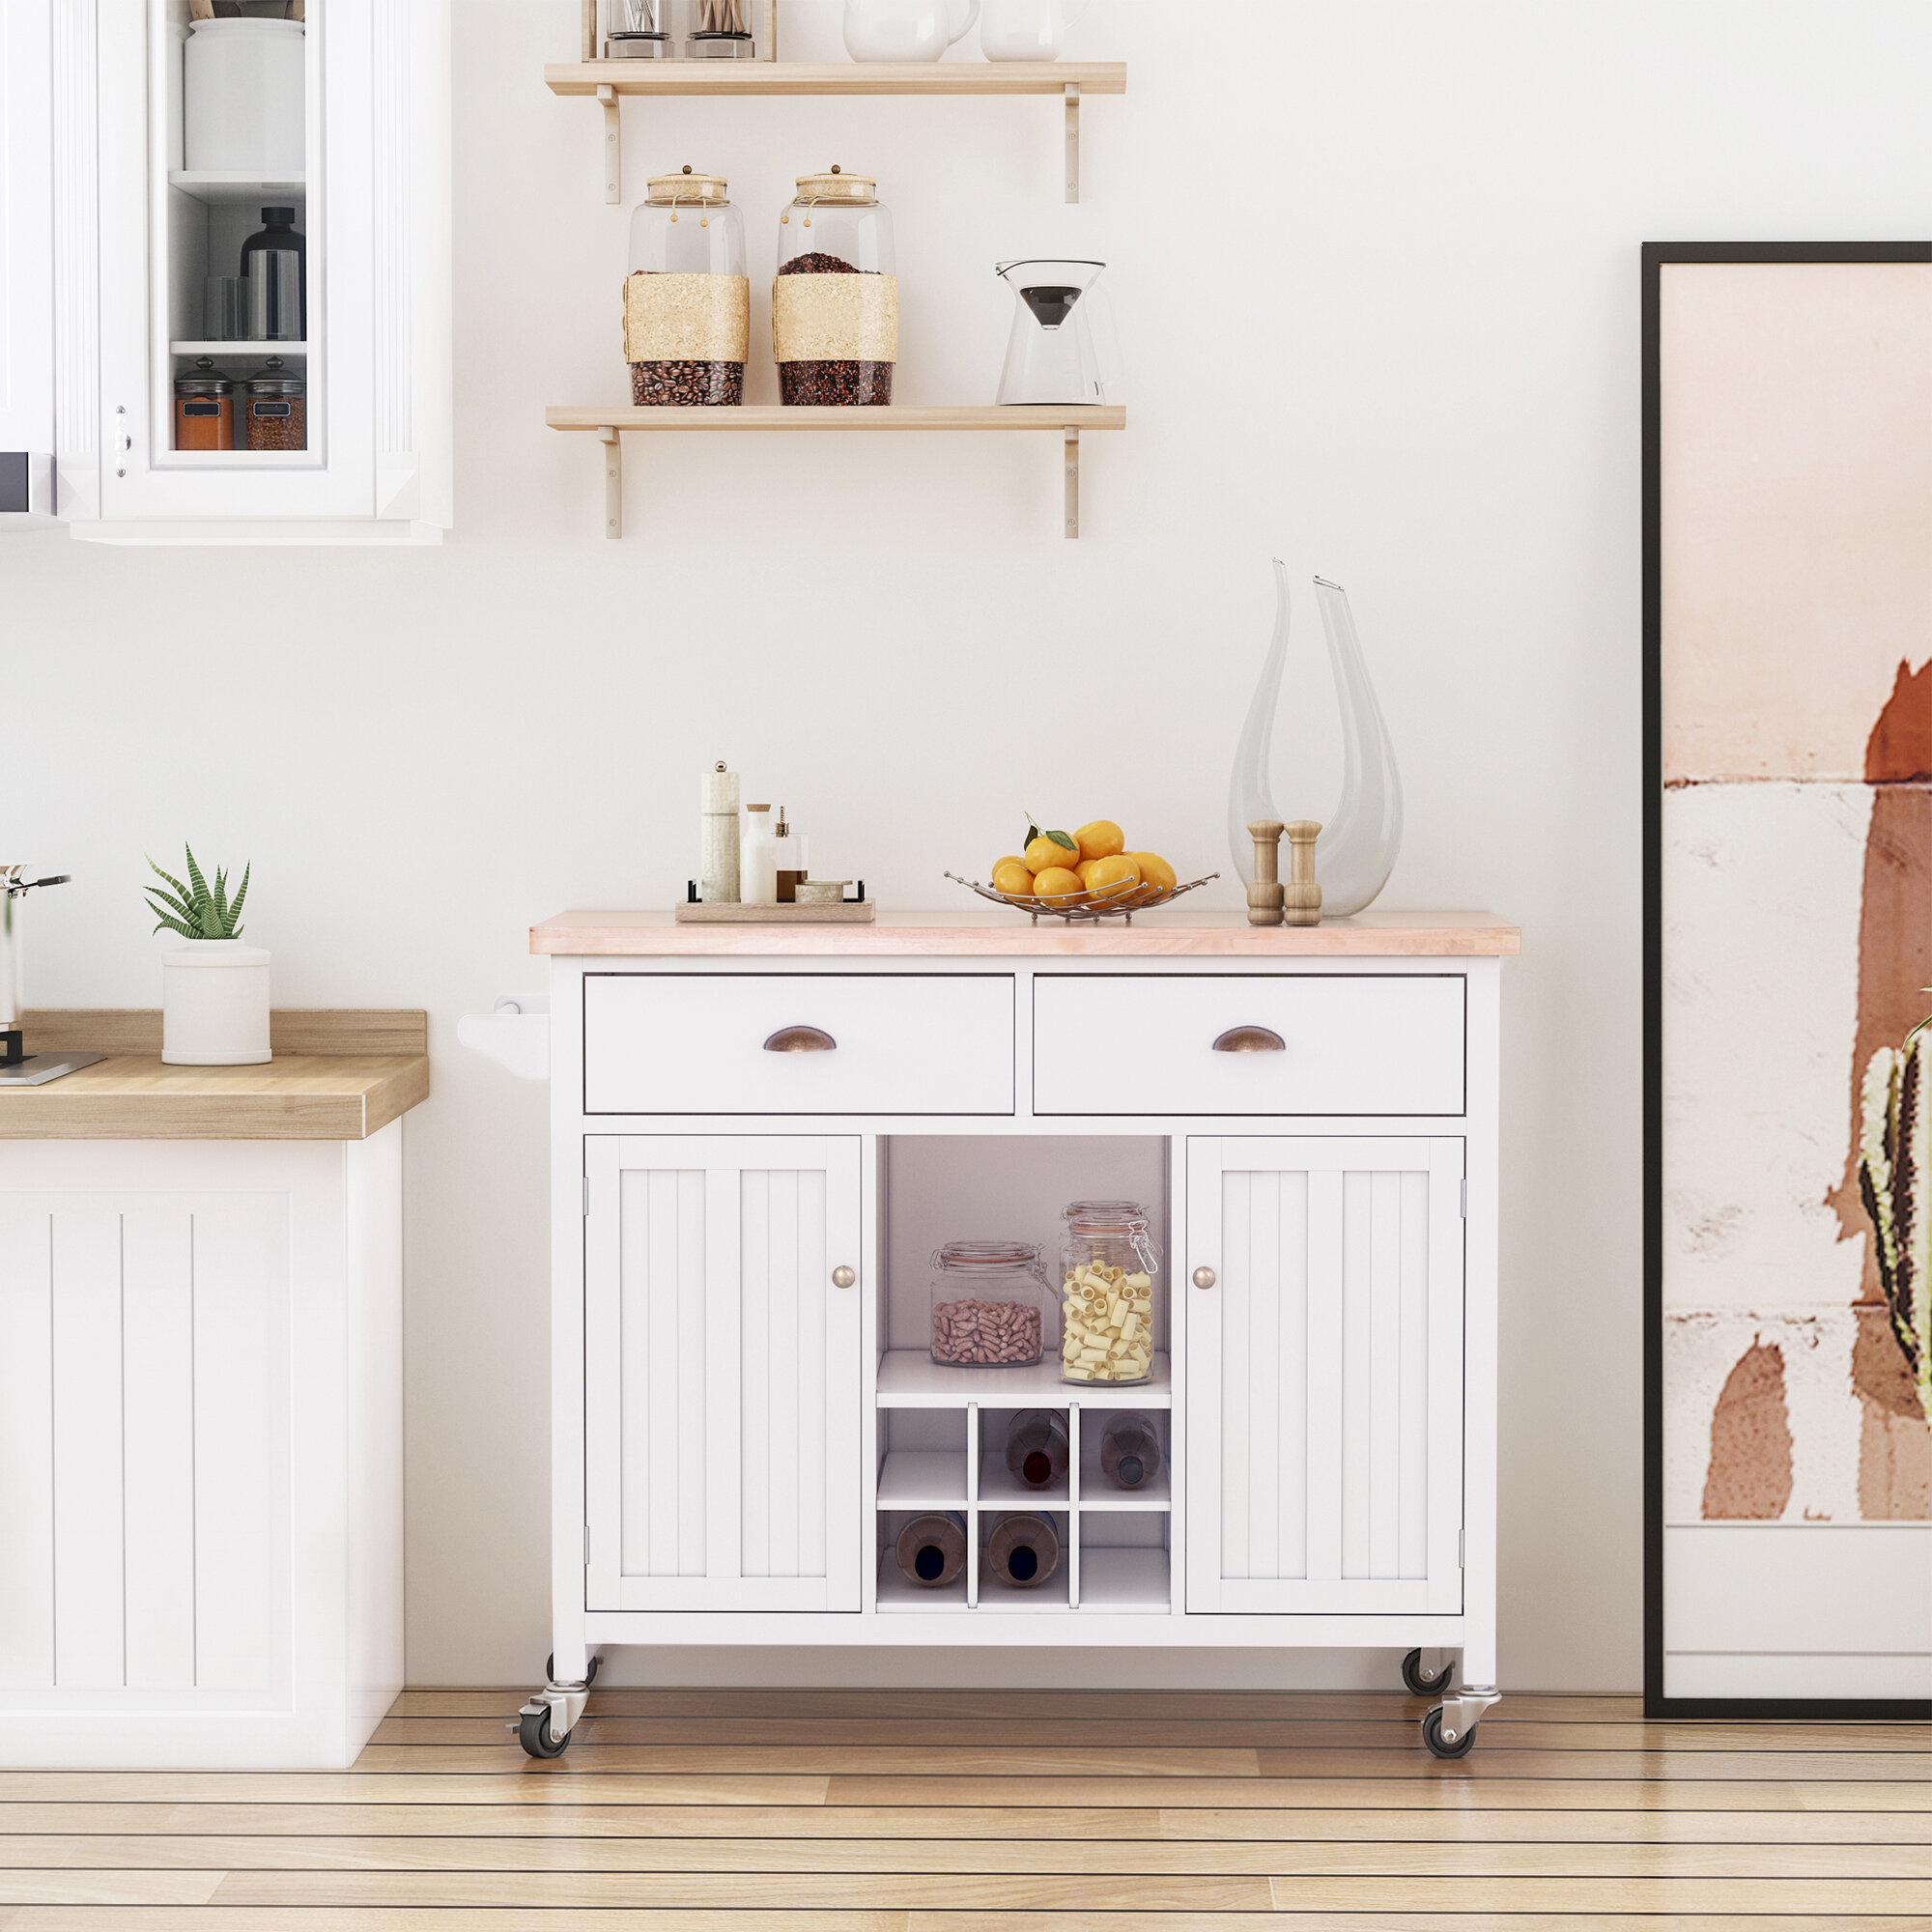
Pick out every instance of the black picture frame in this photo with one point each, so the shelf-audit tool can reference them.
(1658, 255)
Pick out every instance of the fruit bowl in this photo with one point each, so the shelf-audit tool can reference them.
(1089, 908)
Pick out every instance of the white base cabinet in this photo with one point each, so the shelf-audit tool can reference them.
(745, 1406)
(201, 1535)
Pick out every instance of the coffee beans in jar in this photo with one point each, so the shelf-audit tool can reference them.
(687, 299)
(276, 410)
(836, 299)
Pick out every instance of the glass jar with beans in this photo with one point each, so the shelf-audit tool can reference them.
(992, 1307)
(687, 298)
(276, 410)
(836, 298)
(1108, 1260)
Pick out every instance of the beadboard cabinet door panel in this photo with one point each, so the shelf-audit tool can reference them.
(1324, 1370)
(143, 1448)
(723, 1373)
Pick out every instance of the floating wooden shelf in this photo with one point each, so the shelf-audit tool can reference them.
(608, 422)
(609, 81)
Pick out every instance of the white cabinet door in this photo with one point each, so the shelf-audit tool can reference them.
(1324, 1375)
(722, 1373)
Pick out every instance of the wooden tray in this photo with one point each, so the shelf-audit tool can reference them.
(858, 912)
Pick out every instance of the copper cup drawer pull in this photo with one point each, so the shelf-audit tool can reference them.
(1250, 1039)
(801, 1039)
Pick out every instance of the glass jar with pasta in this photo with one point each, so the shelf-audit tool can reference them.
(1108, 1261)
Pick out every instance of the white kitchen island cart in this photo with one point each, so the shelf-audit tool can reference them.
(760, 1133)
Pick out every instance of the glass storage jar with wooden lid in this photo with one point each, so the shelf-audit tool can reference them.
(687, 298)
(1108, 1260)
(836, 298)
(991, 1305)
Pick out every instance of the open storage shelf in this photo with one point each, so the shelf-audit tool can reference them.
(922, 1479)
(910, 1379)
(606, 423)
(610, 82)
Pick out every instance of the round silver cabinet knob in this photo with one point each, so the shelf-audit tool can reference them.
(1204, 1277)
(842, 1277)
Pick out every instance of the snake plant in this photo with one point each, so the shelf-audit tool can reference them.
(1894, 1174)
(194, 910)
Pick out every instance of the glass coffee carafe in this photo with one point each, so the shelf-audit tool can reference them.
(1050, 355)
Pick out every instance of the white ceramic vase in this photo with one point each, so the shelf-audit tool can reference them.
(905, 30)
(1026, 30)
(215, 1004)
(241, 99)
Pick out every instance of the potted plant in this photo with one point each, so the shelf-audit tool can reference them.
(215, 990)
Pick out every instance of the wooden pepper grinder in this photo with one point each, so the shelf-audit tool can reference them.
(1302, 896)
(1265, 895)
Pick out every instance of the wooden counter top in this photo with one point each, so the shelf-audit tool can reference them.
(986, 932)
(336, 1076)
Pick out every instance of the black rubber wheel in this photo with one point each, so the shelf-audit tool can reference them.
(549, 1669)
(1420, 1686)
(533, 1733)
(1431, 1736)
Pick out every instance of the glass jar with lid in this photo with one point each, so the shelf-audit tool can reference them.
(836, 298)
(275, 407)
(1108, 1260)
(992, 1307)
(687, 298)
(205, 409)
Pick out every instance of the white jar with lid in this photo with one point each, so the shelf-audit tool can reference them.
(241, 99)
(758, 859)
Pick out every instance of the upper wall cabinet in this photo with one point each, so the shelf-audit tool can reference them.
(251, 270)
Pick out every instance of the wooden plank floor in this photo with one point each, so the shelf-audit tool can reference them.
(1001, 1812)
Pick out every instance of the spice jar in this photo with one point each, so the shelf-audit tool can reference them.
(687, 299)
(203, 410)
(991, 1305)
(836, 298)
(276, 411)
(1108, 1260)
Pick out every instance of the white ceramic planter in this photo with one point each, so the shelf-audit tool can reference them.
(215, 1004)
(241, 99)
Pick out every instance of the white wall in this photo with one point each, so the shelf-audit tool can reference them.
(1376, 262)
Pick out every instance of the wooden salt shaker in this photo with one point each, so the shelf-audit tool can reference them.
(1265, 895)
(1301, 897)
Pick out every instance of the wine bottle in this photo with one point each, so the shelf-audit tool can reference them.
(1130, 1451)
(931, 1550)
(1036, 1452)
(1023, 1550)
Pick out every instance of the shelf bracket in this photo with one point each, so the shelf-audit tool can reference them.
(613, 482)
(1072, 481)
(614, 143)
(1073, 140)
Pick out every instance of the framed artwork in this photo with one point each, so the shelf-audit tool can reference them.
(1787, 427)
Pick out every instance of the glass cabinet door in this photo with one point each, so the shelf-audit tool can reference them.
(237, 284)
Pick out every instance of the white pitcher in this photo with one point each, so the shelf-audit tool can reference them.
(905, 30)
(1033, 30)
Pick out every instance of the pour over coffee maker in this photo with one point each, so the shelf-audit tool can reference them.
(1050, 355)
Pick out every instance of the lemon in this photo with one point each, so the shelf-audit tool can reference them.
(1012, 877)
(1045, 852)
(1111, 878)
(1057, 885)
(1156, 875)
(1101, 839)
(1009, 859)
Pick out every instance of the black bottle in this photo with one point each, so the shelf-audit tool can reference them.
(278, 230)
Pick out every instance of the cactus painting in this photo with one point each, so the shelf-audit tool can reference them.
(1895, 1178)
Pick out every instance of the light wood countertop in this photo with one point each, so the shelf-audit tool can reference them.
(986, 932)
(336, 1076)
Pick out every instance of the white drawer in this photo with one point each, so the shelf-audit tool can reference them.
(712, 1043)
(1350, 1044)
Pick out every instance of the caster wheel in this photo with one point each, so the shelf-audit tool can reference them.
(1431, 1736)
(533, 1733)
(1420, 1686)
(549, 1669)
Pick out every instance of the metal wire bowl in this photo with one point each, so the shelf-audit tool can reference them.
(1093, 910)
